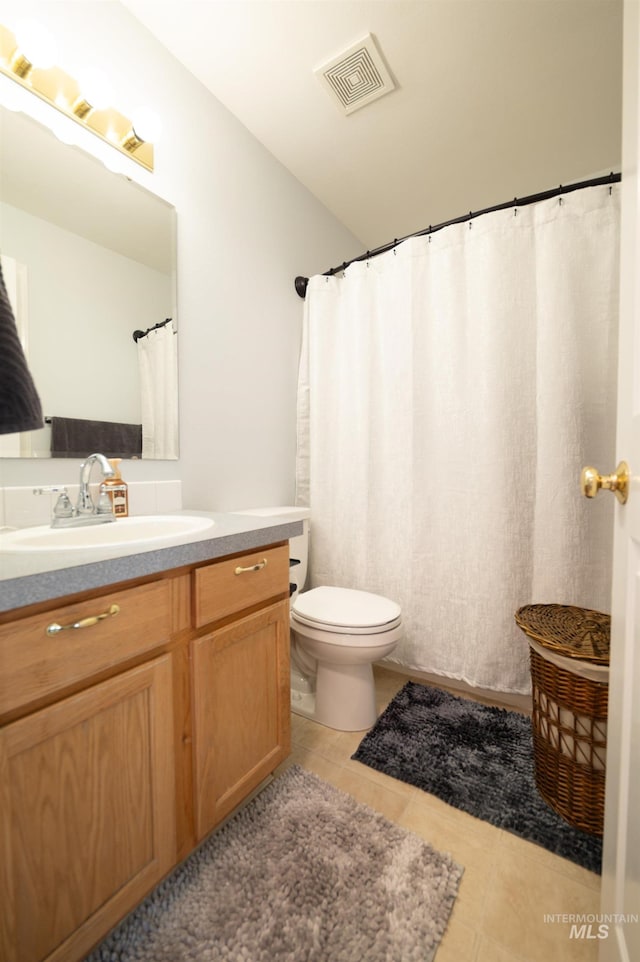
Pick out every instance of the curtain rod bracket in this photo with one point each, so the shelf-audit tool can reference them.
(301, 286)
(138, 334)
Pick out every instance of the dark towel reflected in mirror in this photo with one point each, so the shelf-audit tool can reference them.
(77, 438)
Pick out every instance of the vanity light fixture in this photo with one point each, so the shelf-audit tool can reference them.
(62, 92)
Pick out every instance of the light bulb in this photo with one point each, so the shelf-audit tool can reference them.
(147, 124)
(37, 44)
(95, 87)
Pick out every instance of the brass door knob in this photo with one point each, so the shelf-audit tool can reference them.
(591, 482)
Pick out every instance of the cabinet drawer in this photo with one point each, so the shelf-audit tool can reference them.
(34, 662)
(228, 586)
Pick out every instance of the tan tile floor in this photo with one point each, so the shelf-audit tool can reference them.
(508, 886)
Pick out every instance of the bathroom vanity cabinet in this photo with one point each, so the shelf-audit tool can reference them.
(132, 721)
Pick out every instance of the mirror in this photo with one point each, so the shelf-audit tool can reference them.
(88, 258)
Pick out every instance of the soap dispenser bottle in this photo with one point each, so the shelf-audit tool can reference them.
(116, 490)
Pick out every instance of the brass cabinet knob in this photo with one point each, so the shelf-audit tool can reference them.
(591, 481)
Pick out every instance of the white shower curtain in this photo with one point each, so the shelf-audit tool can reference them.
(450, 392)
(158, 368)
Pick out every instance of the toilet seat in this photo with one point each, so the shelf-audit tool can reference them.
(345, 611)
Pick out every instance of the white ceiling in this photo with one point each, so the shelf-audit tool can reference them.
(494, 98)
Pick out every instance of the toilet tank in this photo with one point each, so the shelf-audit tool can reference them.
(298, 546)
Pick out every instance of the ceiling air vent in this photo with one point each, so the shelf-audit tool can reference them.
(357, 76)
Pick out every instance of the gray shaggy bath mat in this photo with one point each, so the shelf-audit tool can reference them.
(476, 758)
(304, 873)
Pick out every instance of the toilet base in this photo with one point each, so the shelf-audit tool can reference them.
(344, 698)
(303, 703)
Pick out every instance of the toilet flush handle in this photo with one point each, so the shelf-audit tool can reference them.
(257, 567)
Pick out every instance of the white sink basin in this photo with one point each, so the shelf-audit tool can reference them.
(145, 530)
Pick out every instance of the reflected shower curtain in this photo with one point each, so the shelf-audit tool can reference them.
(158, 367)
(450, 392)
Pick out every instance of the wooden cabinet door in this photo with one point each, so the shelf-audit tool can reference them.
(241, 713)
(87, 813)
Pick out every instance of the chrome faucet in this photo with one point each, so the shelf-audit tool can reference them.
(85, 502)
(85, 512)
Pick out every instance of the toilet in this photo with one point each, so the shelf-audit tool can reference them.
(336, 636)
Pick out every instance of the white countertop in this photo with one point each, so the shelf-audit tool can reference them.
(30, 577)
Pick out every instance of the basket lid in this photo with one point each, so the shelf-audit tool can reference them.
(574, 632)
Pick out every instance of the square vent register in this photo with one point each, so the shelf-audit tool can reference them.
(357, 76)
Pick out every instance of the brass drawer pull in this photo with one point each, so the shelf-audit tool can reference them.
(84, 622)
(258, 567)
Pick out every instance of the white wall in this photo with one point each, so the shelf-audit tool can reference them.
(246, 228)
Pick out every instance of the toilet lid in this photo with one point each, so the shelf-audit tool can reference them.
(345, 608)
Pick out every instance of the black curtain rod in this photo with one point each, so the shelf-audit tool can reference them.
(138, 334)
(612, 178)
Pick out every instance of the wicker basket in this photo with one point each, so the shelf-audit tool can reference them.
(569, 719)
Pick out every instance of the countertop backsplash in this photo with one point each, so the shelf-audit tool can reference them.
(23, 506)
